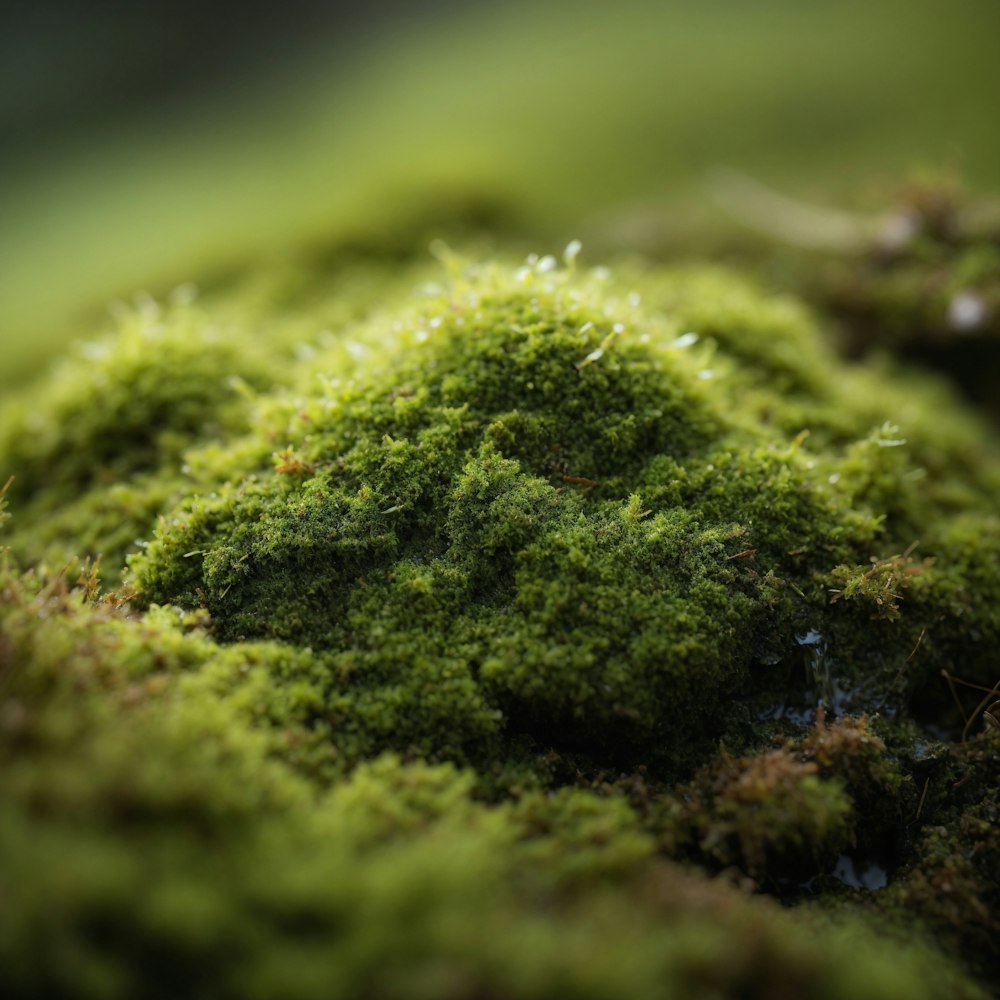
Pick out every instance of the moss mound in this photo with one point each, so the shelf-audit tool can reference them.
(514, 636)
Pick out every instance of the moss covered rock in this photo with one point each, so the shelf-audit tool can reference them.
(456, 621)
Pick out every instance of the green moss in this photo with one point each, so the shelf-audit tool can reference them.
(925, 284)
(932, 276)
(768, 811)
(95, 451)
(453, 632)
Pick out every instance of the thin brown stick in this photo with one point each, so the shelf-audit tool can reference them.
(581, 481)
(993, 691)
(913, 652)
(899, 673)
(923, 796)
(970, 684)
(954, 694)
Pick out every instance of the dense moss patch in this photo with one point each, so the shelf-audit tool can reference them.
(450, 632)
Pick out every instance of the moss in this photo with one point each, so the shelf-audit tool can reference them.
(767, 812)
(924, 283)
(946, 880)
(783, 814)
(452, 634)
(932, 276)
(95, 452)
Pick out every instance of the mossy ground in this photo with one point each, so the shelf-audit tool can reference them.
(495, 630)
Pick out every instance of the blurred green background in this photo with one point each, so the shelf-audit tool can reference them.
(143, 150)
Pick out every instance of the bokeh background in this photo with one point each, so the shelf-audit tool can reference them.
(144, 145)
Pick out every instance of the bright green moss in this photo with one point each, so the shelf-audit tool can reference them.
(501, 524)
(95, 452)
(418, 677)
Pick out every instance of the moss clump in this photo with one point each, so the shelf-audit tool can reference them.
(784, 814)
(452, 632)
(768, 806)
(951, 880)
(535, 512)
(920, 279)
(931, 277)
(99, 450)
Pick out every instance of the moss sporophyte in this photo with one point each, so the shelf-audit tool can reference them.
(533, 633)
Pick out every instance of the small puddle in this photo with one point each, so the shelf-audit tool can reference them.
(820, 689)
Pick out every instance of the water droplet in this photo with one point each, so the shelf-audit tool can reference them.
(860, 873)
(966, 311)
(684, 340)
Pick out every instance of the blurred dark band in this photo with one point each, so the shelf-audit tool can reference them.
(67, 66)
